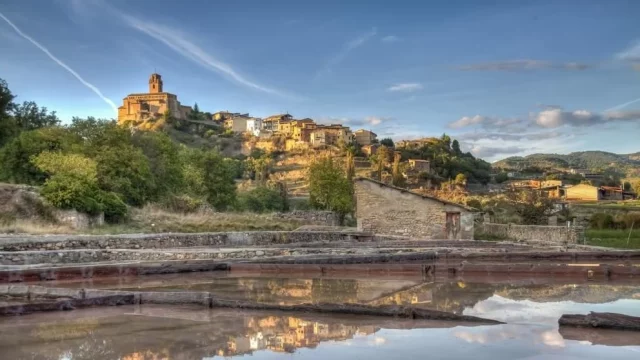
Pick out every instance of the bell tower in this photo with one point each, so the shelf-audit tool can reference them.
(155, 83)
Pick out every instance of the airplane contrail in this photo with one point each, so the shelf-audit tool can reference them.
(622, 105)
(59, 62)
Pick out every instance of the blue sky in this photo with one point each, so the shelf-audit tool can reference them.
(504, 77)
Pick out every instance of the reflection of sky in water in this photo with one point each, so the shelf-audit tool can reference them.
(531, 333)
(486, 342)
(527, 311)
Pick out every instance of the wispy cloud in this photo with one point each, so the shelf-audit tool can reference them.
(347, 48)
(522, 65)
(493, 151)
(623, 105)
(549, 118)
(632, 53)
(390, 39)
(60, 63)
(179, 42)
(405, 87)
(371, 121)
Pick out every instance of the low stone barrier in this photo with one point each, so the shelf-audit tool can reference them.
(552, 234)
(325, 218)
(167, 240)
(340, 255)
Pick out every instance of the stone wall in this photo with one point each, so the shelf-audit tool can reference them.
(383, 209)
(78, 220)
(553, 234)
(326, 218)
(168, 240)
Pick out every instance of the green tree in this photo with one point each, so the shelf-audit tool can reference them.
(501, 177)
(164, 160)
(455, 146)
(460, 179)
(388, 142)
(8, 127)
(15, 156)
(125, 171)
(73, 185)
(380, 159)
(350, 164)
(262, 199)
(218, 180)
(397, 179)
(329, 188)
(636, 187)
(29, 116)
(532, 206)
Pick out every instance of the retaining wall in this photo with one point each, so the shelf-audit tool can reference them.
(326, 218)
(167, 240)
(553, 234)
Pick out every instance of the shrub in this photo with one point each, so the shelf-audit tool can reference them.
(184, 203)
(70, 192)
(474, 203)
(115, 210)
(262, 199)
(601, 221)
(629, 219)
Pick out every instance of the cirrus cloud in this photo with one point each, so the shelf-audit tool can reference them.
(523, 65)
(405, 87)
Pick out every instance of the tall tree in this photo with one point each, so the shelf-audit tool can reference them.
(350, 164)
(382, 155)
(329, 188)
(218, 181)
(397, 179)
(388, 142)
(8, 127)
(29, 116)
(455, 146)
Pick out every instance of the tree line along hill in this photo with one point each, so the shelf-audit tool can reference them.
(627, 165)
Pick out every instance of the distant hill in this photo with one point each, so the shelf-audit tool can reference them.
(592, 160)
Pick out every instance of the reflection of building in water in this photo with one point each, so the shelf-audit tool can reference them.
(286, 334)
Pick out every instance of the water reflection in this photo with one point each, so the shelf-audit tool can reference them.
(156, 332)
(151, 332)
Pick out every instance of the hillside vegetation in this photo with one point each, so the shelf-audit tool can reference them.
(599, 161)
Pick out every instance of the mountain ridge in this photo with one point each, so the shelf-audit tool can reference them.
(594, 160)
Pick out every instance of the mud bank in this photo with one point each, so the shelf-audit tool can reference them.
(39, 299)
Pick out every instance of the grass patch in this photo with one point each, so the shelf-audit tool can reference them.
(613, 238)
(613, 205)
(33, 227)
(153, 219)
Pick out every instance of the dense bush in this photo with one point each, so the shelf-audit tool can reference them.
(601, 221)
(184, 203)
(115, 210)
(262, 199)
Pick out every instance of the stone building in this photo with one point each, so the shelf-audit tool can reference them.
(237, 124)
(271, 123)
(385, 209)
(365, 137)
(420, 165)
(141, 107)
(333, 134)
(301, 129)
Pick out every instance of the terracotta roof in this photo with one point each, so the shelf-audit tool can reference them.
(445, 202)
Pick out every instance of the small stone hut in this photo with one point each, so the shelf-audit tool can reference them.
(386, 209)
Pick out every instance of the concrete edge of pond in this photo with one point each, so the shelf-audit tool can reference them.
(68, 299)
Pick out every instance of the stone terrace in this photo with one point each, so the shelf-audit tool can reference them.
(24, 258)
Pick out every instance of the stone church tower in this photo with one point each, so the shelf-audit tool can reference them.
(137, 108)
(155, 83)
